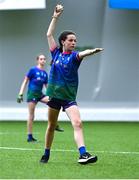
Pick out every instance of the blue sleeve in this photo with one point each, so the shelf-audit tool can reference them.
(54, 53)
(76, 58)
(30, 73)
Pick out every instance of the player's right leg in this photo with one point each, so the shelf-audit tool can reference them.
(49, 136)
(45, 100)
(31, 111)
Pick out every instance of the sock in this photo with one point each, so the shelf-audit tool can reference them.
(29, 136)
(47, 152)
(82, 150)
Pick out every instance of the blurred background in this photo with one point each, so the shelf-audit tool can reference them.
(109, 81)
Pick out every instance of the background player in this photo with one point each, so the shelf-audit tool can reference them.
(36, 79)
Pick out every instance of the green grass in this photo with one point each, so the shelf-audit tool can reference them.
(107, 140)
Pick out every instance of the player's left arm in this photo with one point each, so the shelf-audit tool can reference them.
(89, 52)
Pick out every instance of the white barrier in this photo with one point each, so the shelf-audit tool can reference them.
(87, 114)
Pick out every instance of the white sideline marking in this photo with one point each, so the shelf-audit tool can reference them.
(68, 150)
(30, 149)
(14, 133)
(20, 149)
(118, 152)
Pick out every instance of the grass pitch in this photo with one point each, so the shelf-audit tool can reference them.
(116, 144)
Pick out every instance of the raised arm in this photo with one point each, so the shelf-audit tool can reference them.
(57, 12)
(88, 52)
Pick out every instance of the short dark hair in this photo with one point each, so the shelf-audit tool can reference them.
(63, 36)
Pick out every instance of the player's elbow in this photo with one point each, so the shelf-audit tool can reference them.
(48, 34)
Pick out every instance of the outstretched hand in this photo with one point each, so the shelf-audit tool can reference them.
(96, 50)
(89, 52)
(58, 10)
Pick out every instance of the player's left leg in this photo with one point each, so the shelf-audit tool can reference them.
(31, 109)
(74, 116)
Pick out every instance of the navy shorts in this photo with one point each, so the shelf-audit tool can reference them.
(58, 103)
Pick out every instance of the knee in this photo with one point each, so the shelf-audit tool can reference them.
(77, 124)
(31, 117)
(51, 127)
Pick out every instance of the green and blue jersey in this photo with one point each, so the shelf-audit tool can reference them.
(63, 77)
